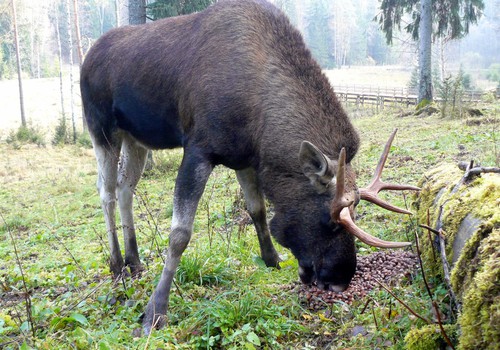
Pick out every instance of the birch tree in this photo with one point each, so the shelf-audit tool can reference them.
(71, 78)
(59, 59)
(76, 21)
(18, 62)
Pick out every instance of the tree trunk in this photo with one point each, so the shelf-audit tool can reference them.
(136, 11)
(122, 10)
(425, 45)
(70, 46)
(442, 59)
(18, 61)
(77, 31)
(78, 46)
(117, 12)
(59, 56)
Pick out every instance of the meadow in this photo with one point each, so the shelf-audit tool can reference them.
(57, 291)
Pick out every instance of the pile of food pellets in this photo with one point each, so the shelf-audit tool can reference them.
(388, 267)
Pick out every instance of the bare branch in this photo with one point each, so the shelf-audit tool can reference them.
(402, 302)
(26, 294)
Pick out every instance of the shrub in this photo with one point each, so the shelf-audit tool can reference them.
(25, 135)
(494, 73)
(451, 91)
(61, 135)
(83, 140)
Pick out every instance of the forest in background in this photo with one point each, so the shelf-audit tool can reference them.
(339, 33)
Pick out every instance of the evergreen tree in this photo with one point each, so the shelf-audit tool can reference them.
(318, 34)
(443, 18)
(170, 8)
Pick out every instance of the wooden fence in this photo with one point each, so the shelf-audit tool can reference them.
(381, 97)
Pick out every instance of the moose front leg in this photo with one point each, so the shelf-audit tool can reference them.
(191, 179)
(257, 208)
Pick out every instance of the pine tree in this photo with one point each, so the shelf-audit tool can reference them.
(169, 8)
(444, 18)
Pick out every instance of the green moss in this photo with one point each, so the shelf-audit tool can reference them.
(481, 300)
(476, 273)
(440, 195)
(425, 102)
(437, 186)
(429, 337)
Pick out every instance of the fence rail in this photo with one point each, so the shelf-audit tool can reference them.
(362, 95)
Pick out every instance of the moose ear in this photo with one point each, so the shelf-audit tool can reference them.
(316, 166)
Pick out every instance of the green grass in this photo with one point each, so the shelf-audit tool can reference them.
(224, 296)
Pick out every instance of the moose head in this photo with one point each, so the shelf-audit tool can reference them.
(322, 237)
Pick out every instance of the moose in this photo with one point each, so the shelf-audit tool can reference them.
(233, 85)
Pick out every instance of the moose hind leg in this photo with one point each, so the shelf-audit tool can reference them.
(191, 179)
(256, 207)
(133, 159)
(107, 163)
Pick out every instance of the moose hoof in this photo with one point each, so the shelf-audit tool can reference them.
(136, 270)
(154, 316)
(117, 269)
(152, 320)
(272, 261)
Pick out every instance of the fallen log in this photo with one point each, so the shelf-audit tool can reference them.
(464, 208)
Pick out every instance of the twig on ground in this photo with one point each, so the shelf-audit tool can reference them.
(103, 244)
(71, 307)
(366, 305)
(67, 250)
(422, 267)
(429, 236)
(445, 336)
(445, 262)
(374, 318)
(152, 221)
(402, 302)
(446, 266)
(26, 294)
(471, 170)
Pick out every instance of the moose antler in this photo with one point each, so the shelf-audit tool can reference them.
(370, 193)
(340, 211)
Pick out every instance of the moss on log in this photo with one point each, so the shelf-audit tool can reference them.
(469, 216)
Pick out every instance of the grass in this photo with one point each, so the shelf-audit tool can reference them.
(225, 297)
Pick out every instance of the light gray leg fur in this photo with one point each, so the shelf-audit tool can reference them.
(191, 179)
(107, 163)
(257, 209)
(133, 159)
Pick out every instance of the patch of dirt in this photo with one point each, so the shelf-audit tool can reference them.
(481, 121)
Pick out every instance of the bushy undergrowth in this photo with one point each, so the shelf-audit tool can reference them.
(24, 135)
(63, 136)
(53, 254)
